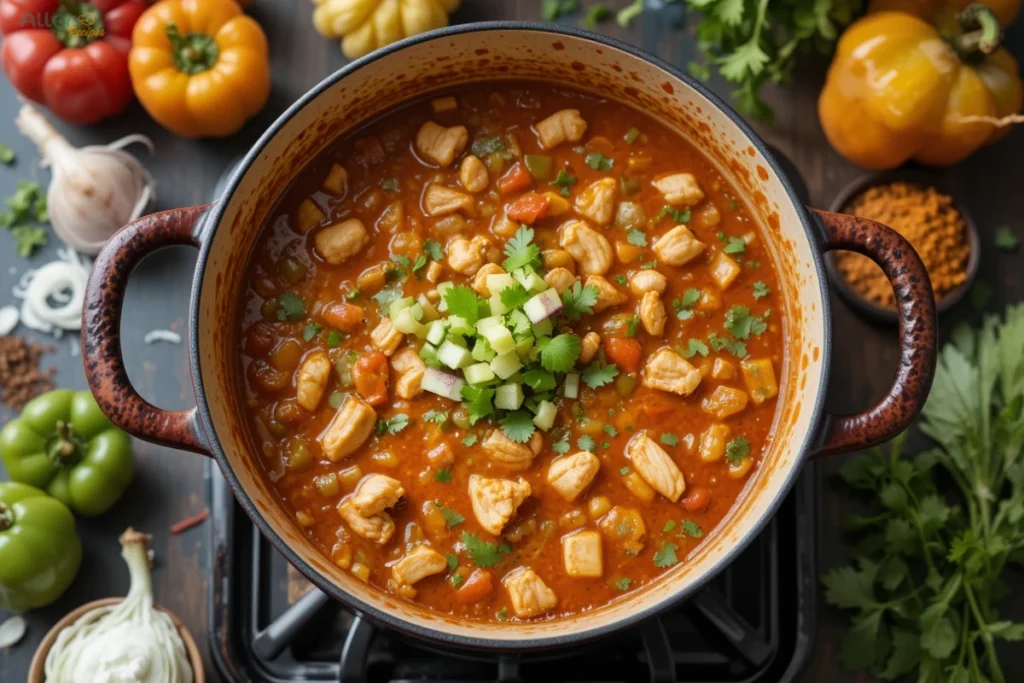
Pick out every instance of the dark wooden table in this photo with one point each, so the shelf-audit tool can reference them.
(170, 486)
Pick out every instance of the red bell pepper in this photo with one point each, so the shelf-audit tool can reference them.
(70, 56)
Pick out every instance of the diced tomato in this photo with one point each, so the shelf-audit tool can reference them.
(370, 375)
(259, 340)
(344, 316)
(529, 208)
(696, 500)
(477, 587)
(624, 352)
(656, 406)
(516, 180)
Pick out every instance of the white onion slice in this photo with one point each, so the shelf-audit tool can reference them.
(11, 632)
(53, 281)
(162, 336)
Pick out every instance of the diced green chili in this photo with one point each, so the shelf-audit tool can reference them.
(624, 384)
(327, 484)
(291, 270)
(632, 135)
(539, 166)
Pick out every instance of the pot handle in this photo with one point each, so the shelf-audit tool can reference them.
(101, 330)
(918, 334)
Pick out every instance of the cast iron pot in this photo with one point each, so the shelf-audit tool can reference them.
(225, 232)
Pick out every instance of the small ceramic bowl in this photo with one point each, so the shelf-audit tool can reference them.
(914, 177)
(37, 669)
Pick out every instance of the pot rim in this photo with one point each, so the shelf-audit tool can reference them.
(433, 634)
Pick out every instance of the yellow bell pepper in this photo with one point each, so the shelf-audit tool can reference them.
(898, 89)
(199, 67)
(944, 13)
(365, 25)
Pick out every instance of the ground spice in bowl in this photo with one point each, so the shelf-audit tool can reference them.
(930, 221)
(21, 380)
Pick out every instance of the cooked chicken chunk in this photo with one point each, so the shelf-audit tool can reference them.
(723, 369)
(759, 376)
(529, 594)
(473, 174)
(376, 493)
(582, 555)
(311, 379)
(468, 256)
(679, 189)
(502, 449)
(608, 294)
(590, 248)
(439, 200)
(562, 126)
(338, 243)
(348, 429)
(666, 370)
(624, 526)
(409, 368)
(647, 280)
(418, 564)
(597, 200)
(678, 246)
(379, 528)
(652, 314)
(439, 144)
(496, 500)
(386, 338)
(560, 279)
(589, 346)
(724, 401)
(571, 474)
(656, 466)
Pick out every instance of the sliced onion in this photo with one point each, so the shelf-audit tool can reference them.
(38, 286)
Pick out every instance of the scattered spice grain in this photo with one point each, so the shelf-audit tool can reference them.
(929, 221)
(21, 380)
(189, 522)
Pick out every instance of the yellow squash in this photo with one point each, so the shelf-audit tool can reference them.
(901, 88)
(199, 67)
(365, 25)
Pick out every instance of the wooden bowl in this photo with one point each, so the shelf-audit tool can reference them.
(37, 669)
(920, 178)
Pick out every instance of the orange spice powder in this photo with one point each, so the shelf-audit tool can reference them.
(929, 221)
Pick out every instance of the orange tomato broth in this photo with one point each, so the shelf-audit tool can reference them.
(386, 179)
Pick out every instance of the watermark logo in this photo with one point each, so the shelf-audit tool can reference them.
(82, 26)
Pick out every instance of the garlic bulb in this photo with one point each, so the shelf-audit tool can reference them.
(128, 641)
(95, 190)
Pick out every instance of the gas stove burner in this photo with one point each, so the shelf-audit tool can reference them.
(754, 623)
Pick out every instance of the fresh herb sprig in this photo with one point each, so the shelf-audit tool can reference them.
(929, 564)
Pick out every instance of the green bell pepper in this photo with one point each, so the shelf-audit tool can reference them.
(62, 443)
(39, 550)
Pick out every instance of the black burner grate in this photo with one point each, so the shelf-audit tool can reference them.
(755, 622)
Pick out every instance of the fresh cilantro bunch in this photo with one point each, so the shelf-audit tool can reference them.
(929, 564)
(751, 42)
(25, 208)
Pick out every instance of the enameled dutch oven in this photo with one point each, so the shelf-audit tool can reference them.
(225, 232)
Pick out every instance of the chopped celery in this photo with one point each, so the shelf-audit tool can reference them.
(400, 304)
(571, 388)
(443, 287)
(543, 329)
(538, 165)
(499, 281)
(479, 373)
(435, 332)
(458, 340)
(453, 356)
(406, 323)
(497, 308)
(459, 325)
(508, 397)
(500, 339)
(530, 280)
(488, 323)
(428, 352)
(545, 417)
(482, 351)
(519, 322)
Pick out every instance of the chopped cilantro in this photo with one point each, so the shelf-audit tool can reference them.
(502, 614)
(435, 416)
(457, 580)
(735, 245)
(624, 583)
(518, 426)
(684, 305)
(290, 307)
(391, 425)
(421, 260)
(514, 296)
(741, 324)
(478, 402)
(733, 346)
(470, 440)
(463, 302)
(433, 249)
(564, 180)
(453, 561)
(578, 300)
(521, 252)
(401, 261)
(333, 339)
(761, 290)
(353, 294)
(691, 529)
(385, 296)
(669, 439)
(596, 375)
(631, 135)
(695, 346)
(666, 556)
(621, 279)
(649, 265)
(669, 526)
(451, 517)
(561, 446)
(311, 331)
(737, 449)
(586, 443)
(599, 162)
(482, 553)
(632, 325)
(678, 216)
(560, 354)
(638, 238)
(443, 476)
(610, 430)
(624, 471)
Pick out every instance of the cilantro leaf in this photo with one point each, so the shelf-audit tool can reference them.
(391, 425)
(479, 402)
(735, 245)
(290, 307)
(435, 417)
(669, 526)
(333, 339)
(27, 238)
(482, 553)
(1005, 240)
(453, 561)
(684, 304)
(586, 443)
(521, 252)
(695, 346)
(733, 346)
(669, 439)
(737, 449)
(518, 426)
(631, 135)
(470, 440)
(578, 300)
(451, 517)
(741, 324)
(596, 375)
(677, 216)
(433, 249)
(666, 556)
(481, 147)
(443, 476)
(564, 181)
(560, 353)
(463, 302)
(599, 162)
(691, 529)
(624, 583)
(310, 331)
(561, 446)
(638, 238)
(551, 10)
(538, 379)
(514, 296)
(761, 290)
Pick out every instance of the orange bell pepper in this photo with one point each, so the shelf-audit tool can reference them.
(199, 67)
(900, 89)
